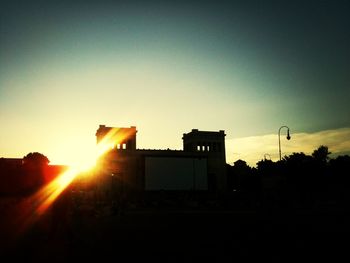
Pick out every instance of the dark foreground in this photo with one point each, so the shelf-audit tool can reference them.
(188, 236)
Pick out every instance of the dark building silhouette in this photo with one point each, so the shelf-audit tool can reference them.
(199, 166)
(17, 178)
(212, 144)
(9, 163)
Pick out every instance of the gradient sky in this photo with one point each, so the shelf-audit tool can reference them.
(246, 67)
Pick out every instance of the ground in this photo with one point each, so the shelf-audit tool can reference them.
(214, 235)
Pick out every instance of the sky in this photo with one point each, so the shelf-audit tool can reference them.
(246, 67)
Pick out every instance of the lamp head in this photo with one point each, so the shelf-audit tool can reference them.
(288, 135)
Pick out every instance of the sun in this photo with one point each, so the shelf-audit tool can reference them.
(80, 164)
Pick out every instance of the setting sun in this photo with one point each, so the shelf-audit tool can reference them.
(209, 85)
(83, 162)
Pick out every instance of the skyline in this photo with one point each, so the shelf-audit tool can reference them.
(244, 67)
(250, 149)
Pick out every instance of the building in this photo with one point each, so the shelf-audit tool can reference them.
(17, 179)
(10, 163)
(200, 166)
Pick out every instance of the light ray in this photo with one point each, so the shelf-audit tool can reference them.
(37, 204)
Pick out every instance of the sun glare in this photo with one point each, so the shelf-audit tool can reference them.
(37, 204)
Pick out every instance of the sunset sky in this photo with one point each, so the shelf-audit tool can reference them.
(246, 67)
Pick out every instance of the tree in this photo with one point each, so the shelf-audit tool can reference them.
(35, 159)
(34, 165)
(321, 154)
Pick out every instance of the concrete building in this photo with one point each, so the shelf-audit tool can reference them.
(200, 166)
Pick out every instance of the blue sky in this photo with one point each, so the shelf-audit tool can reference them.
(246, 67)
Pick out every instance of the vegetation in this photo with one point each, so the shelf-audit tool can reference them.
(36, 159)
(298, 181)
(23, 178)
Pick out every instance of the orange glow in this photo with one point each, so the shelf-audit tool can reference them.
(36, 205)
(51, 191)
(87, 159)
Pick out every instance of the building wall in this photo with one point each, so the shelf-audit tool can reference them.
(120, 138)
(131, 167)
(213, 145)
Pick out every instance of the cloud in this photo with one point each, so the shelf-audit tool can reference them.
(255, 148)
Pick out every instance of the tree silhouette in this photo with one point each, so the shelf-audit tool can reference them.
(244, 179)
(35, 159)
(34, 165)
(298, 181)
(321, 154)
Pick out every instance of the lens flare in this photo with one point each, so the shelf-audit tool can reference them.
(35, 206)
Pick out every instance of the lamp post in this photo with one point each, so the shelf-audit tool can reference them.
(279, 138)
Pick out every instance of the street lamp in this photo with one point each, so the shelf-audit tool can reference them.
(279, 139)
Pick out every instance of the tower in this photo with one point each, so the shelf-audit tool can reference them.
(212, 144)
(121, 138)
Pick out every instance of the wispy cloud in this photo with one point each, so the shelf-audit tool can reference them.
(255, 148)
